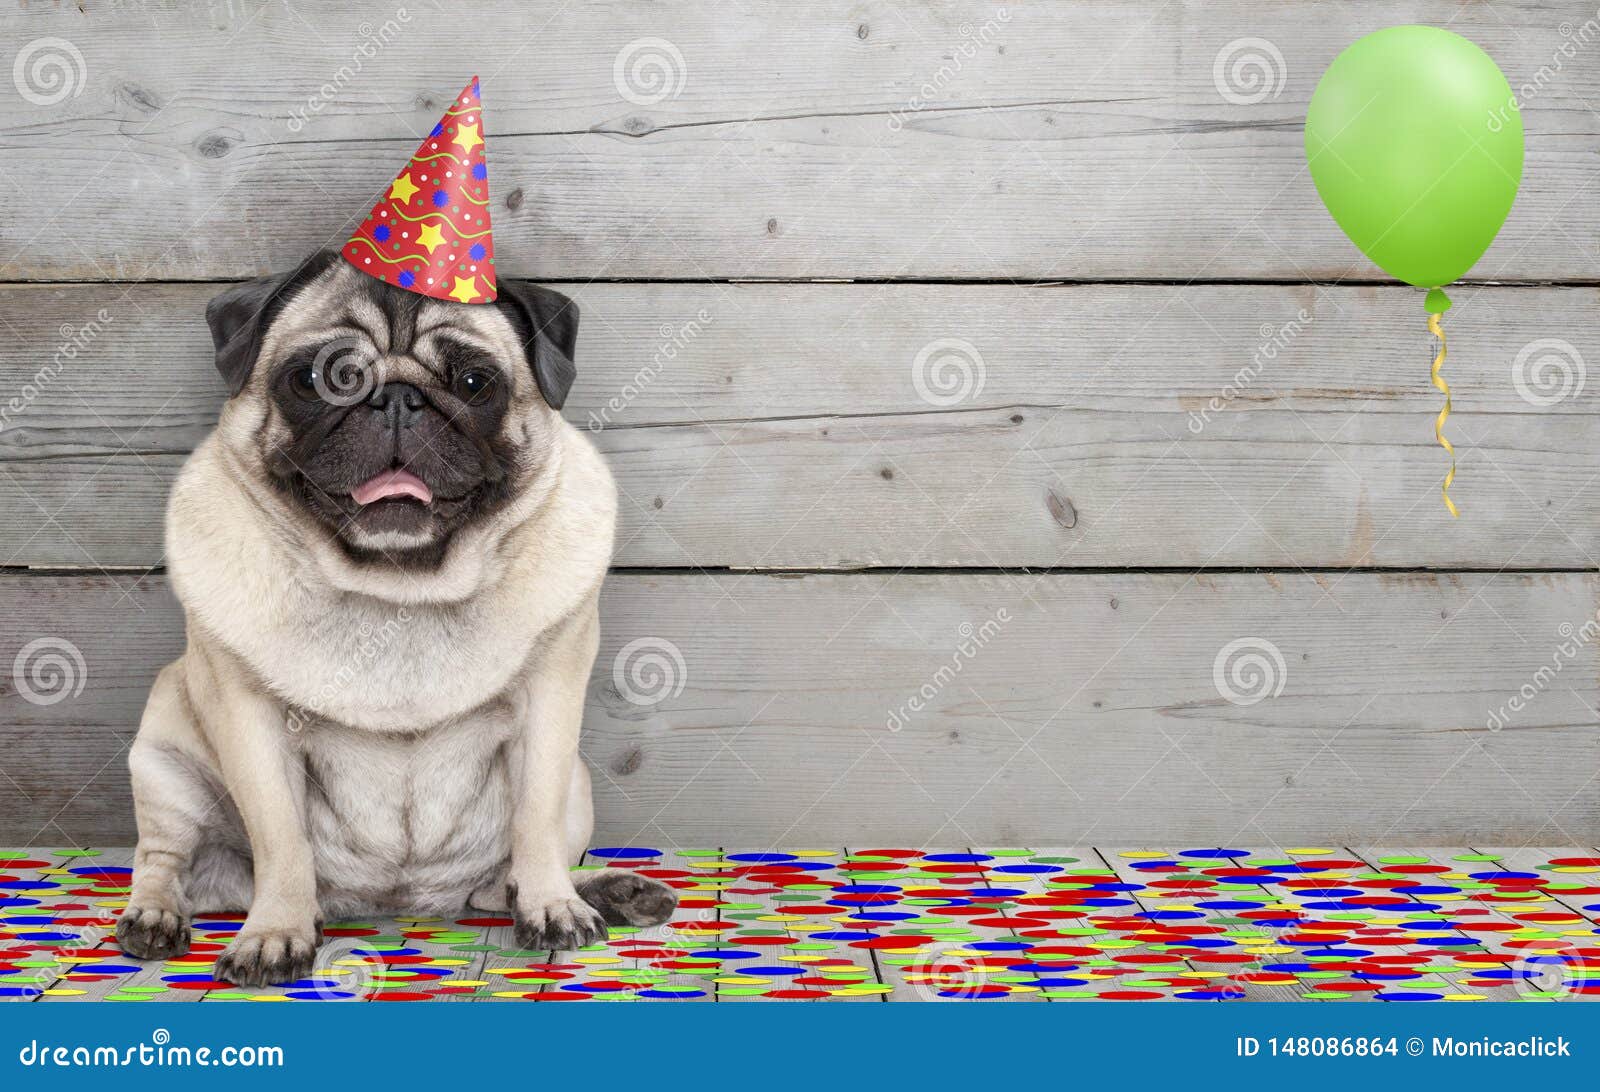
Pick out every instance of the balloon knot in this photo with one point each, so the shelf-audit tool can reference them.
(1437, 303)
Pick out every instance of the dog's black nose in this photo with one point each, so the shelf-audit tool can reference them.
(400, 402)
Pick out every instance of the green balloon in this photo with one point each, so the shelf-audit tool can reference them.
(1414, 141)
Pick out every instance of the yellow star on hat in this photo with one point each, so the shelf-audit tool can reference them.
(430, 236)
(403, 189)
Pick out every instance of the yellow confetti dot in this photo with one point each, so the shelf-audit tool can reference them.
(1308, 852)
(1141, 854)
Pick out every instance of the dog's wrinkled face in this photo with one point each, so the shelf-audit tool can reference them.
(392, 419)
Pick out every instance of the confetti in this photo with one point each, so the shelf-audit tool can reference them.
(1207, 924)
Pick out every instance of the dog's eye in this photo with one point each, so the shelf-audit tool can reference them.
(474, 387)
(305, 382)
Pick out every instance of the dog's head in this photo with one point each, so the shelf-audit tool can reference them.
(392, 420)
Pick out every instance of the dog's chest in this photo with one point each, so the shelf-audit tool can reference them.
(415, 820)
(391, 668)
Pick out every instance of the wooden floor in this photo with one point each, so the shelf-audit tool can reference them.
(872, 924)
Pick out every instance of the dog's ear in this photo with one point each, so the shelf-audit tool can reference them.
(239, 317)
(547, 324)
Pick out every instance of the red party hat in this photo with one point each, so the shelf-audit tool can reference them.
(430, 233)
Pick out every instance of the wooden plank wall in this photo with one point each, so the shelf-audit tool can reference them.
(1012, 449)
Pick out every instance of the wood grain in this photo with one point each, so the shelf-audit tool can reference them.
(783, 426)
(788, 707)
(1086, 139)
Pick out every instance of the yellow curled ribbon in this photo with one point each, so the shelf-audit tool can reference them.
(1438, 425)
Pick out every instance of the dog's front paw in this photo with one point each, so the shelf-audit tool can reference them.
(267, 957)
(563, 923)
(148, 932)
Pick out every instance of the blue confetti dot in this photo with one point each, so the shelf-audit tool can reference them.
(477, 252)
(381, 233)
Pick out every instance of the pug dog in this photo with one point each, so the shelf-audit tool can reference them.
(388, 554)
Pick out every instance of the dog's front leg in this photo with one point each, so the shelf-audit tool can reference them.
(248, 732)
(546, 906)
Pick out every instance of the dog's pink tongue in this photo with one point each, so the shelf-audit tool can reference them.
(392, 483)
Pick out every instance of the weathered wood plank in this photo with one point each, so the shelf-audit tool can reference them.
(889, 706)
(1102, 425)
(1085, 139)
